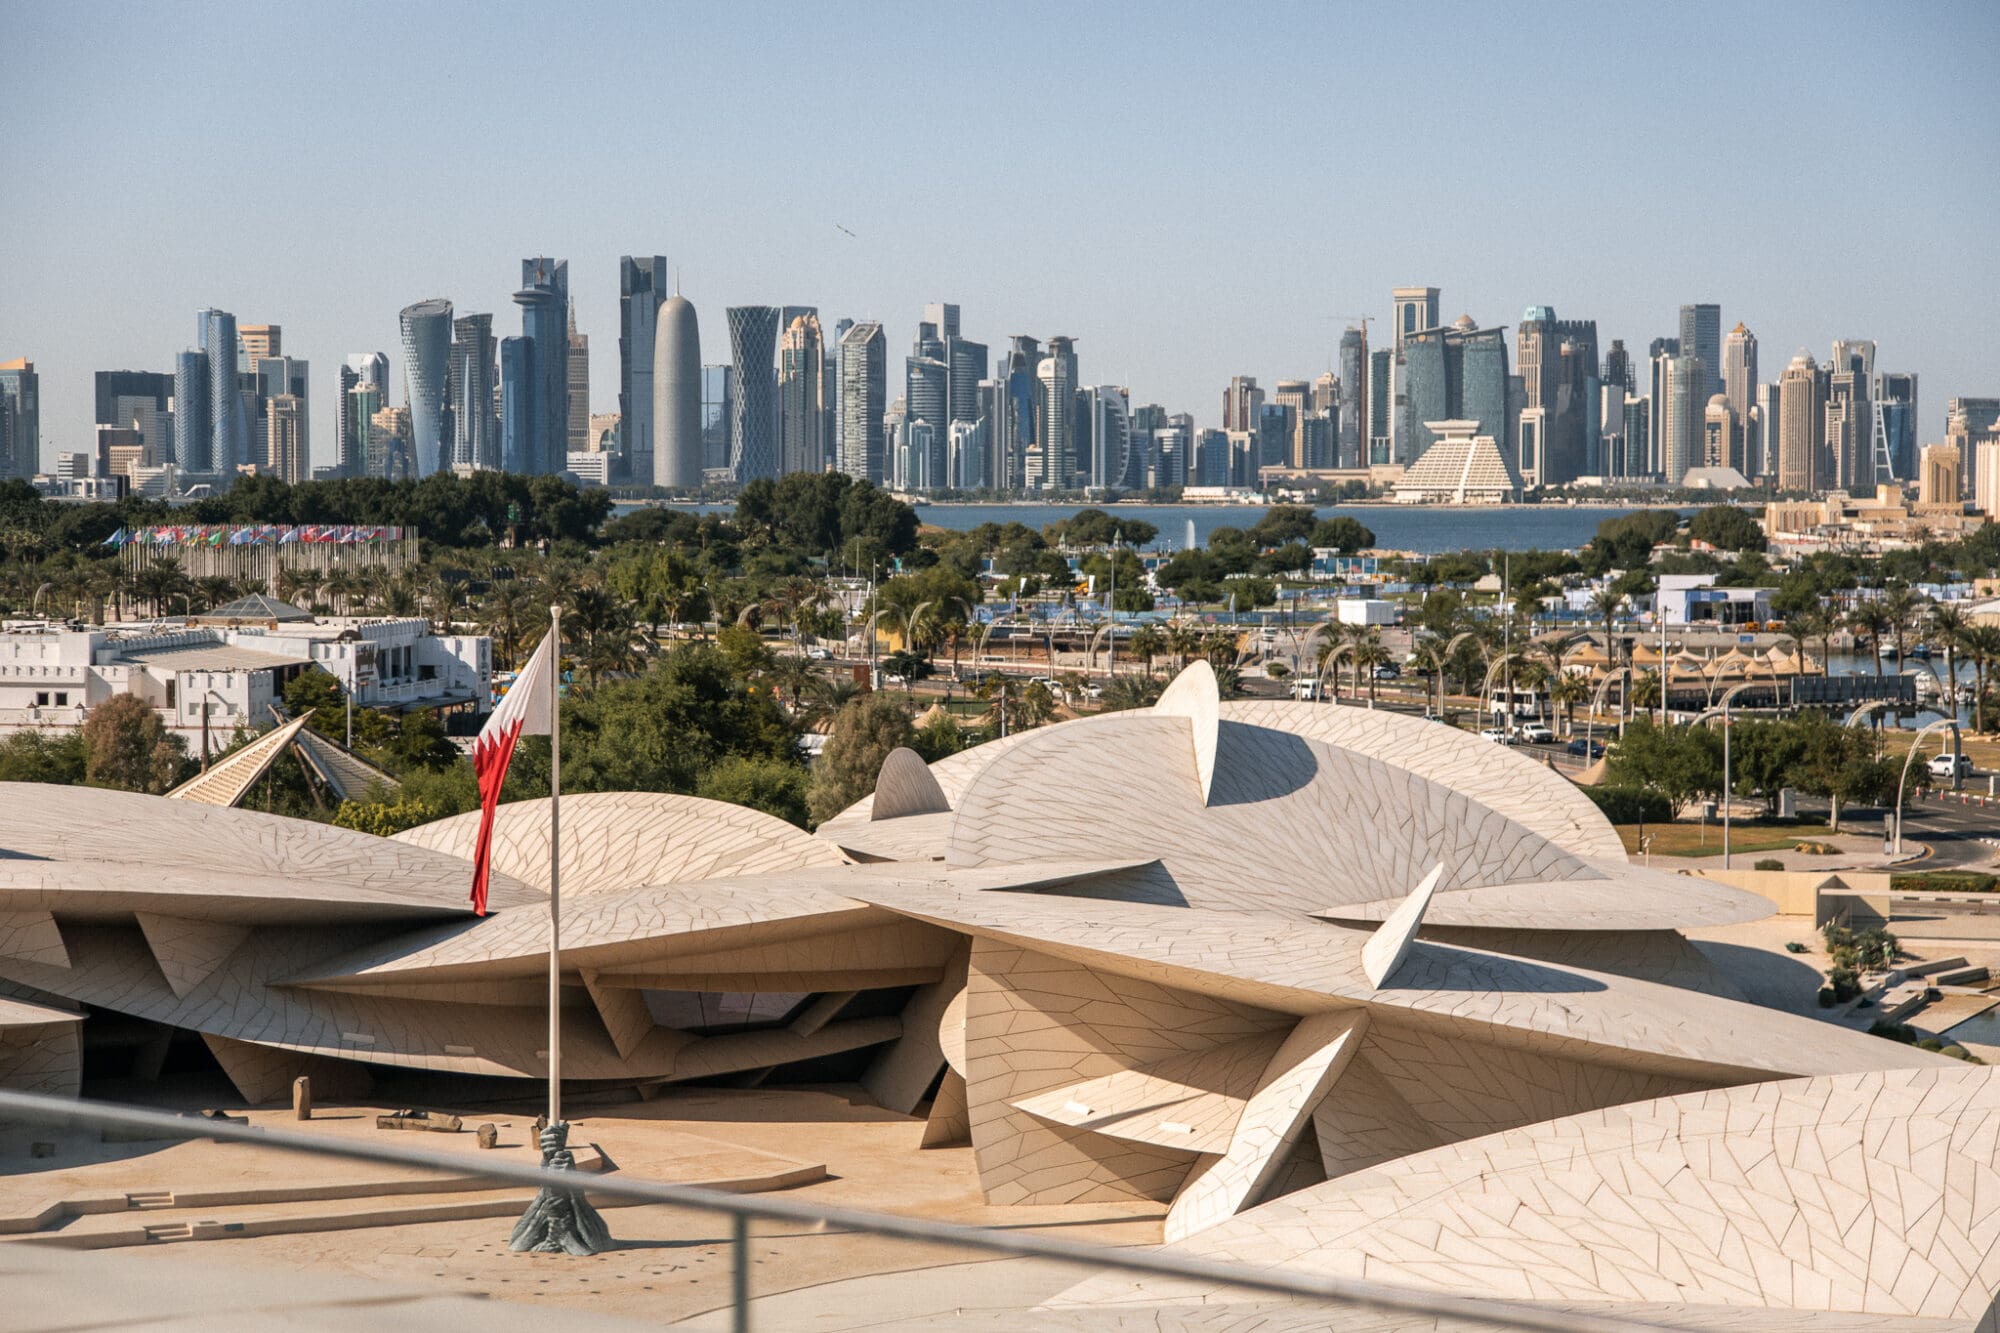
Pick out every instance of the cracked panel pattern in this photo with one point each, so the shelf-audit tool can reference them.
(619, 840)
(1872, 1194)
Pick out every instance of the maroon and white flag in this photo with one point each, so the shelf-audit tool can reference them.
(524, 711)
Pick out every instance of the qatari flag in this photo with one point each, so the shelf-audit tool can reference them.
(524, 711)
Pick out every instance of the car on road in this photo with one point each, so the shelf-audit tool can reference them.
(1496, 735)
(819, 653)
(1950, 766)
(1586, 749)
(1306, 688)
(1388, 671)
(1534, 733)
(891, 678)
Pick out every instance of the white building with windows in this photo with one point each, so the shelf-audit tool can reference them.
(227, 669)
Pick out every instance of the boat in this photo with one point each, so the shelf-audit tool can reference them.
(1921, 652)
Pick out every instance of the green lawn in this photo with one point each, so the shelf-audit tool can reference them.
(1694, 840)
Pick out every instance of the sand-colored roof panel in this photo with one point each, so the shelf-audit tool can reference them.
(1628, 898)
(1827, 1193)
(619, 840)
(1276, 964)
(93, 850)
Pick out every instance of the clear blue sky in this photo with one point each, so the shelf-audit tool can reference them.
(1193, 191)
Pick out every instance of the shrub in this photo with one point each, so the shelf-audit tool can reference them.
(1631, 805)
(1768, 863)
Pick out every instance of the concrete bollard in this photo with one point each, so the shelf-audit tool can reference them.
(302, 1098)
(489, 1136)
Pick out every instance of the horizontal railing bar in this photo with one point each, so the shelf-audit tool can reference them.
(1152, 1263)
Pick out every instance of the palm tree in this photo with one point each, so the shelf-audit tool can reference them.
(1982, 645)
(1605, 602)
(1904, 605)
(1183, 639)
(1368, 654)
(1872, 618)
(1809, 622)
(505, 612)
(1567, 691)
(1946, 629)
(1148, 643)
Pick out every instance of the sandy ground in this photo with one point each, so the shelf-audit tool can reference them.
(671, 1263)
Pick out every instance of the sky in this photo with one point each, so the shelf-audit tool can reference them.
(1191, 191)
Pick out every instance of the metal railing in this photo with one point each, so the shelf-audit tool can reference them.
(743, 1209)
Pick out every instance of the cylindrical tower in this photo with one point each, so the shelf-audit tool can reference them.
(677, 454)
(427, 374)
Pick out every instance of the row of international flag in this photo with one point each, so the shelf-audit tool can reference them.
(269, 534)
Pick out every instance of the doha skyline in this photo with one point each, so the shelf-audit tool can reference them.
(1190, 194)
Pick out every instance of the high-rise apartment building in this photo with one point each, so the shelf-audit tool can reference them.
(677, 384)
(1658, 353)
(1763, 439)
(20, 419)
(1802, 425)
(1701, 335)
(1721, 435)
(278, 377)
(194, 424)
(520, 413)
(1055, 414)
(359, 405)
(426, 382)
(1242, 404)
(1682, 413)
(229, 439)
(350, 434)
(545, 324)
(801, 380)
(864, 384)
(576, 366)
(1015, 437)
(1967, 421)
(927, 387)
(1381, 393)
(1108, 424)
(642, 290)
(753, 429)
(471, 386)
(1354, 399)
(287, 452)
(1849, 425)
(1739, 371)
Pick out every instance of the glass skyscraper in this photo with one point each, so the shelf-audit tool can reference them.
(426, 377)
(864, 376)
(194, 430)
(519, 413)
(1454, 374)
(753, 433)
(716, 414)
(1701, 335)
(229, 437)
(642, 290)
(544, 302)
(476, 434)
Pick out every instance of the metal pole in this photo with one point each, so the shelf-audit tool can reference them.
(1725, 781)
(555, 867)
(349, 692)
(1111, 615)
(739, 1273)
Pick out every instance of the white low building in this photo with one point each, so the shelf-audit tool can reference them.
(232, 667)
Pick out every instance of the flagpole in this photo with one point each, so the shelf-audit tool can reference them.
(555, 867)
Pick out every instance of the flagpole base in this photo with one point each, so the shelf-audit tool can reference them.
(560, 1221)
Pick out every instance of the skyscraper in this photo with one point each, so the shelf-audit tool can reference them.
(943, 316)
(1967, 421)
(360, 403)
(1416, 310)
(1701, 335)
(1762, 441)
(141, 398)
(1109, 416)
(1557, 360)
(1618, 367)
(520, 413)
(1893, 431)
(1801, 404)
(1454, 374)
(1658, 354)
(426, 380)
(475, 430)
(1721, 435)
(864, 383)
(834, 395)
(1295, 397)
(544, 302)
(276, 377)
(1849, 425)
(1055, 414)
(801, 378)
(1354, 399)
(1739, 369)
(642, 290)
(576, 432)
(287, 452)
(229, 442)
(1242, 404)
(676, 383)
(753, 429)
(1381, 393)
(254, 342)
(1682, 414)
(194, 426)
(20, 419)
(718, 411)
(927, 387)
(1017, 420)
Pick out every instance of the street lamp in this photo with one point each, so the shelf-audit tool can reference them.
(1728, 785)
(1896, 848)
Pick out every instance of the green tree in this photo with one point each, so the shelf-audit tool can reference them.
(315, 689)
(863, 735)
(1343, 534)
(386, 818)
(127, 745)
(772, 785)
(1727, 528)
(1282, 525)
(43, 756)
(1683, 764)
